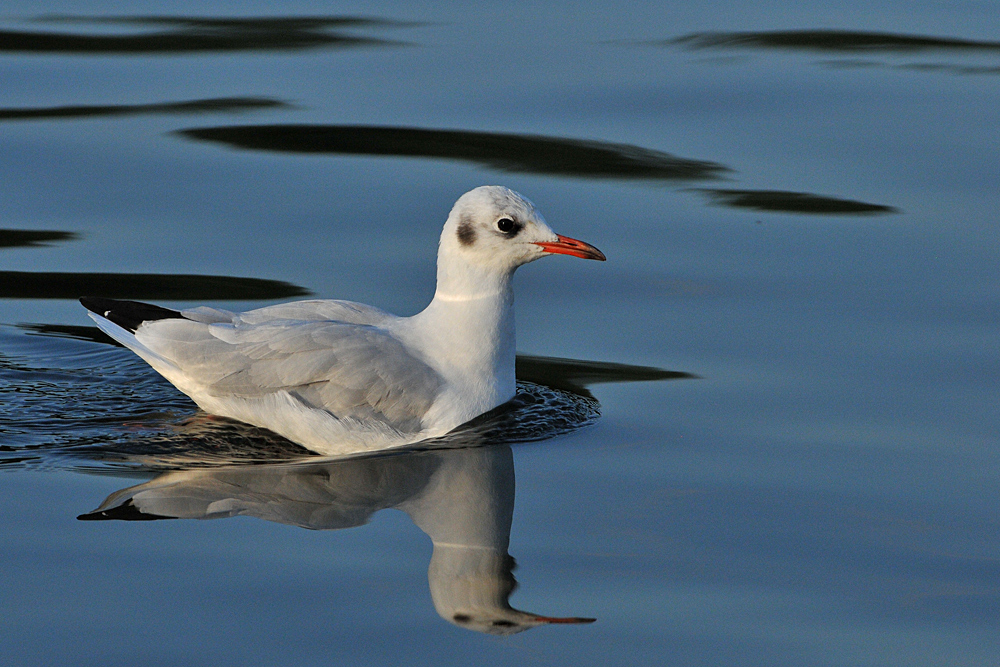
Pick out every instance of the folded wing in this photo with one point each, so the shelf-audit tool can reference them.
(351, 369)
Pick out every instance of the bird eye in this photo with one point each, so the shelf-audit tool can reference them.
(503, 624)
(505, 225)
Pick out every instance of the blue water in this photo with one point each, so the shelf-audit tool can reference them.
(823, 493)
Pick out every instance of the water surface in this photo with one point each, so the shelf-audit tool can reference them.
(763, 432)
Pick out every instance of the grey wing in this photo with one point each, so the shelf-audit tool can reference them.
(354, 371)
(313, 310)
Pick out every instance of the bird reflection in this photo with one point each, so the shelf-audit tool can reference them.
(463, 499)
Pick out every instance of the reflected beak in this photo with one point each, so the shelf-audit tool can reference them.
(556, 619)
(567, 246)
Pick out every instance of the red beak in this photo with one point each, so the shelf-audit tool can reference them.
(554, 619)
(567, 246)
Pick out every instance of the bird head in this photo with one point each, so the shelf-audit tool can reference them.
(497, 229)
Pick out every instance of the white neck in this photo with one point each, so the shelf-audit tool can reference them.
(471, 319)
(467, 333)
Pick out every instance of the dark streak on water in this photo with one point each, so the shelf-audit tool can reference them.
(830, 41)
(31, 238)
(794, 202)
(199, 34)
(575, 376)
(211, 105)
(30, 285)
(946, 68)
(504, 152)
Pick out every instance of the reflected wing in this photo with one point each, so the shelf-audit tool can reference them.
(328, 496)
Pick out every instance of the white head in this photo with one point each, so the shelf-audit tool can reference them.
(494, 230)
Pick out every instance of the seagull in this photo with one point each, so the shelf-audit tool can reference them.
(339, 377)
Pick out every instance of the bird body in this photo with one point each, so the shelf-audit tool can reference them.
(338, 376)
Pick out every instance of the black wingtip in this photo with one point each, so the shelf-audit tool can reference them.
(124, 512)
(96, 304)
(127, 314)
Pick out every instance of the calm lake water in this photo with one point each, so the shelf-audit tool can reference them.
(764, 432)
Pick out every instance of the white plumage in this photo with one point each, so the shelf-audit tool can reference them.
(340, 377)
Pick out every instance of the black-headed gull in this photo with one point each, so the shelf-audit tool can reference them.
(340, 377)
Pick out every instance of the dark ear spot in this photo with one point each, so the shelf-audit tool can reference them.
(461, 618)
(466, 232)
